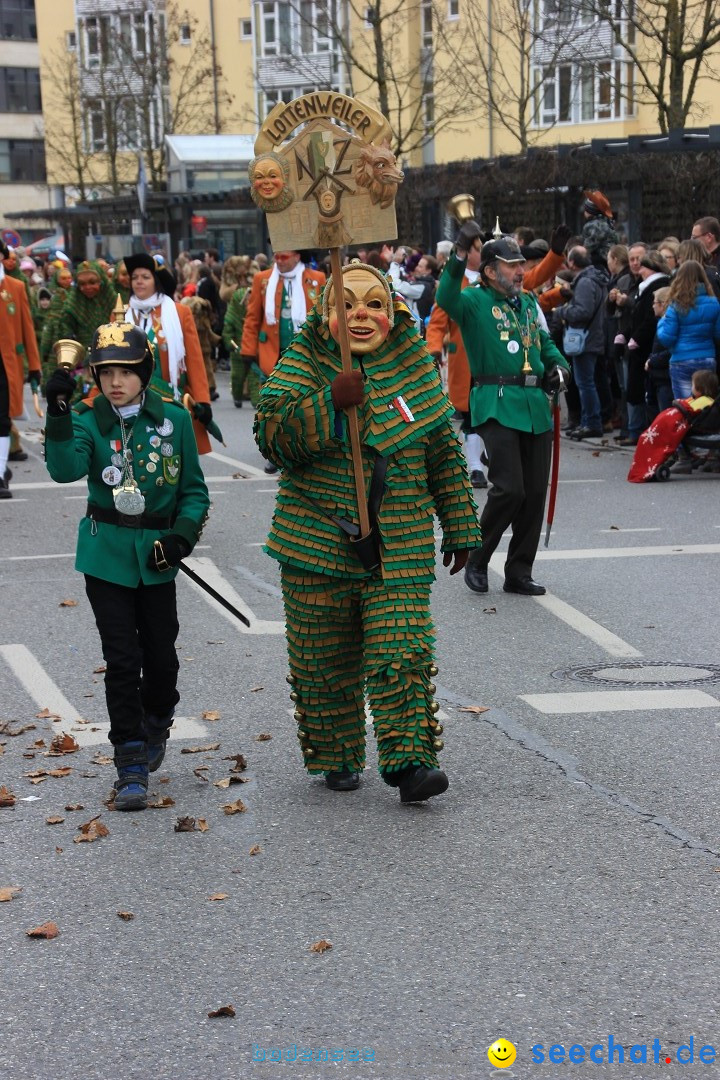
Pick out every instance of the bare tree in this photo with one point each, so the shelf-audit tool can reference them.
(670, 44)
(66, 146)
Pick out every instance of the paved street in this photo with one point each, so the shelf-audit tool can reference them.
(564, 891)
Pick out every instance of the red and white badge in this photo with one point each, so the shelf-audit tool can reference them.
(403, 409)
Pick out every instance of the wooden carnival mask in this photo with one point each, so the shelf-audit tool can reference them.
(368, 306)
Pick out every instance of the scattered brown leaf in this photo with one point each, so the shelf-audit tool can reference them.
(224, 1010)
(90, 831)
(7, 799)
(58, 851)
(45, 714)
(596, 453)
(186, 824)
(6, 728)
(39, 743)
(62, 744)
(200, 771)
(9, 892)
(264, 736)
(237, 807)
(202, 825)
(615, 528)
(321, 946)
(68, 603)
(240, 762)
(209, 714)
(54, 820)
(74, 806)
(161, 802)
(474, 708)
(48, 930)
(126, 916)
(224, 783)
(254, 689)
(489, 611)
(255, 850)
(200, 749)
(99, 670)
(39, 780)
(101, 759)
(219, 896)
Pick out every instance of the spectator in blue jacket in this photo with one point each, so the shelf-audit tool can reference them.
(690, 327)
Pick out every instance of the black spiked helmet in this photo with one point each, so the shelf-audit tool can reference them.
(121, 344)
(504, 249)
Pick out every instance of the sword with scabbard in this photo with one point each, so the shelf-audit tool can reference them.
(209, 590)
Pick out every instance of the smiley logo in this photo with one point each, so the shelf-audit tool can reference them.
(501, 1054)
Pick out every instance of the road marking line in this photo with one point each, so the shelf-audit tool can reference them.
(47, 485)
(626, 530)
(630, 552)
(602, 701)
(207, 570)
(32, 558)
(10, 502)
(184, 729)
(575, 619)
(251, 470)
(593, 481)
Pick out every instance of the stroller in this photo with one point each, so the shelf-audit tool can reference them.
(698, 429)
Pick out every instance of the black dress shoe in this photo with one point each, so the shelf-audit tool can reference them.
(17, 455)
(420, 784)
(475, 578)
(345, 780)
(586, 433)
(525, 586)
(214, 395)
(237, 403)
(271, 469)
(478, 478)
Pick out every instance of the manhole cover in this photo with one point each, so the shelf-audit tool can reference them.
(643, 673)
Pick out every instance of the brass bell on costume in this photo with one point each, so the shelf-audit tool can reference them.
(69, 353)
(461, 207)
(294, 696)
(438, 729)
(308, 751)
(290, 679)
(432, 687)
(433, 670)
(298, 715)
(434, 707)
(438, 744)
(303, 734)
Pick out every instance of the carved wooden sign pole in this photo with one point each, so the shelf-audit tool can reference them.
(332, 184)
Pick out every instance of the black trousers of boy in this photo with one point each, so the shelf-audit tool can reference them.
(138, 630)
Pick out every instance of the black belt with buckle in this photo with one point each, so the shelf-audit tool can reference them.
(127, 521)
(506, 380)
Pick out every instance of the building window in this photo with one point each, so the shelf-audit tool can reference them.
(20, 90)
(140, 34)
(272, 97)
(453, 9)
(426, 23)
(314, 26)
(22, 161)
(581, 93)
(71, 41)
(245, 29)
(370, 15)
(17, 20)
(185, 35)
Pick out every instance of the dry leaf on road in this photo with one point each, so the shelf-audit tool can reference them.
(321, 946)
(219, 896)
(99, 670)
(62, 744)
(224, 1010)
(202, 825)
(190, 824)
(68, 603)
(474, 708)
(74, 806)
(7, 798)
(489, 611)
(48, 930)
(209, 714)
(45, 714)
(254, 689)
(200, 749)
(255, 850)
(90, 831)
(54, 820)
(263, 737)
(9, 892)
(240, 762)
(6, 728)
(161, 802)
(199, 773)
(237, 807)
(126, 916)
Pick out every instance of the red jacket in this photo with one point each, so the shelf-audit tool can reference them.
(17, 339)
(258, 338)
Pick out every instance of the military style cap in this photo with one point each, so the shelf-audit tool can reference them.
(504, 249)
(118, 343)
(164, 280)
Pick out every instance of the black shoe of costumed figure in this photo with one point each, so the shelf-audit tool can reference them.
(524, 586)
(343, 780)
(131, 762)
(476, 578)
(419, 783)
(478, 479)
(271, 469)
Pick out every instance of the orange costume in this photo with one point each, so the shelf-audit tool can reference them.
(261, 339)
(17, 339)
(440, 328)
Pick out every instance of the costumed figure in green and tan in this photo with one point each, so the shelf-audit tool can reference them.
(352, 630)
(88, 305)
(60, 286)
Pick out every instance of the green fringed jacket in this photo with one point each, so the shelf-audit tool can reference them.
(405, 417)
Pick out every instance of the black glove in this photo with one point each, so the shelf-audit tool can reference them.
(34, 378)
(249, 360)
(59, 390)
(469, 233)
(202, 412)
(555, 380)
(559, 238)
(167, 552)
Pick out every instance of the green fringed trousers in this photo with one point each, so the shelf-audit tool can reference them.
(240, 372)
(345, 639)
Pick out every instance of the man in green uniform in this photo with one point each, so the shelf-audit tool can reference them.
(147, 504)
(514, 366)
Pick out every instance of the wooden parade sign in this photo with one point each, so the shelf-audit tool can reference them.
(332, 184)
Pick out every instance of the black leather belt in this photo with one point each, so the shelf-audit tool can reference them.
(127, 521)
(506, 380)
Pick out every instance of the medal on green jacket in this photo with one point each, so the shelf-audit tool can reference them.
(127, 496)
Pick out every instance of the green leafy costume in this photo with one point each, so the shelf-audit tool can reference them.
(51, 326)
(232, 331)
(81, 315)
(351, 631)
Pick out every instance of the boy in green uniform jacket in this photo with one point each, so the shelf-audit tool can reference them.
(514, 366)
(147, 504)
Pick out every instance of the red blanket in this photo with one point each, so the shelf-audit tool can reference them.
(655, 445)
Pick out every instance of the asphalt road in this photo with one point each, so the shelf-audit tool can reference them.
(563, 892)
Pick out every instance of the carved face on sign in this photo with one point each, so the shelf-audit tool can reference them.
(368, 308)
(269, 175)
